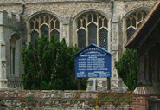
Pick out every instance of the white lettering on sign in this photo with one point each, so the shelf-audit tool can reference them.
(92, 62)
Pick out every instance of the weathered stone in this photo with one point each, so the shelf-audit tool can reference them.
(15, 16)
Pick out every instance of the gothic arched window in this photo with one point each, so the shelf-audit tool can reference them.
(133, 21)
(44, 24)
(92, 27)
(14, 55)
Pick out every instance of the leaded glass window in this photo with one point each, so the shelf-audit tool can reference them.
(130, 31)
(92, 33)
(133, 21)
(44, 24)
(55, 33)
(103, 35)
(44, 29)
(81, 38)
(92, 27)
(34, 35)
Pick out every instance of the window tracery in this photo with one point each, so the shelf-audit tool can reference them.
(133, 22)
(92, 27)
(44, 24)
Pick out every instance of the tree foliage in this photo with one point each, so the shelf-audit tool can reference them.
(49, 65)
(127, 67)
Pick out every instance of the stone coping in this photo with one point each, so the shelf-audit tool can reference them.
(61, 1)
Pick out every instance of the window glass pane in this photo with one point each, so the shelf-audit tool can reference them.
(42, 19)
(92, 33)
(144, 14)
(79, 24)
(34, 35)
(139, 17)
(100, 22)
(37, 25)
(94, 17)
(47, 19)
(84, 23)
(105, 23)
(44, 30)
(56, 34)
(90, 18)
(57, 24)
(134, 22)
(52, 24)
(128, 22)
(103, 41)
(129, 33)
(81, 38)
(12, 54)
(32, 25)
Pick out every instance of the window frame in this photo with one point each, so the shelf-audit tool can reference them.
(99, 15)
(134, 15)
(51, 18)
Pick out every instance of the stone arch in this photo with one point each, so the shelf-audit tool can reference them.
(17, 35)
(42, 12)
(146, 9)
(91, 10)
(99, 13)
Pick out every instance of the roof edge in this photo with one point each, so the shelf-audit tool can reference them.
(134, 36)
(90, 45)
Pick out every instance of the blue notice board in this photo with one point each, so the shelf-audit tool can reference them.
(93, 62)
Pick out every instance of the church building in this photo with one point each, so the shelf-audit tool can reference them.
(106, 23)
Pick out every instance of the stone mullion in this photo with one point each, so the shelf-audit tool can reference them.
(81, 23)
(39, 26)
(124, 33)
(46, 23)
(137, 22)
(97, 30)
(49, 28)
(86, 30)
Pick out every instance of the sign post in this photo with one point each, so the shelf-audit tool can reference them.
(79, 84)
(93, 62)
(108, 84)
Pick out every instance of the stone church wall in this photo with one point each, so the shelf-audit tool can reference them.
(67, 12)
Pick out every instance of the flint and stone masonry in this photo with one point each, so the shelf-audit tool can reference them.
(16, 18)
